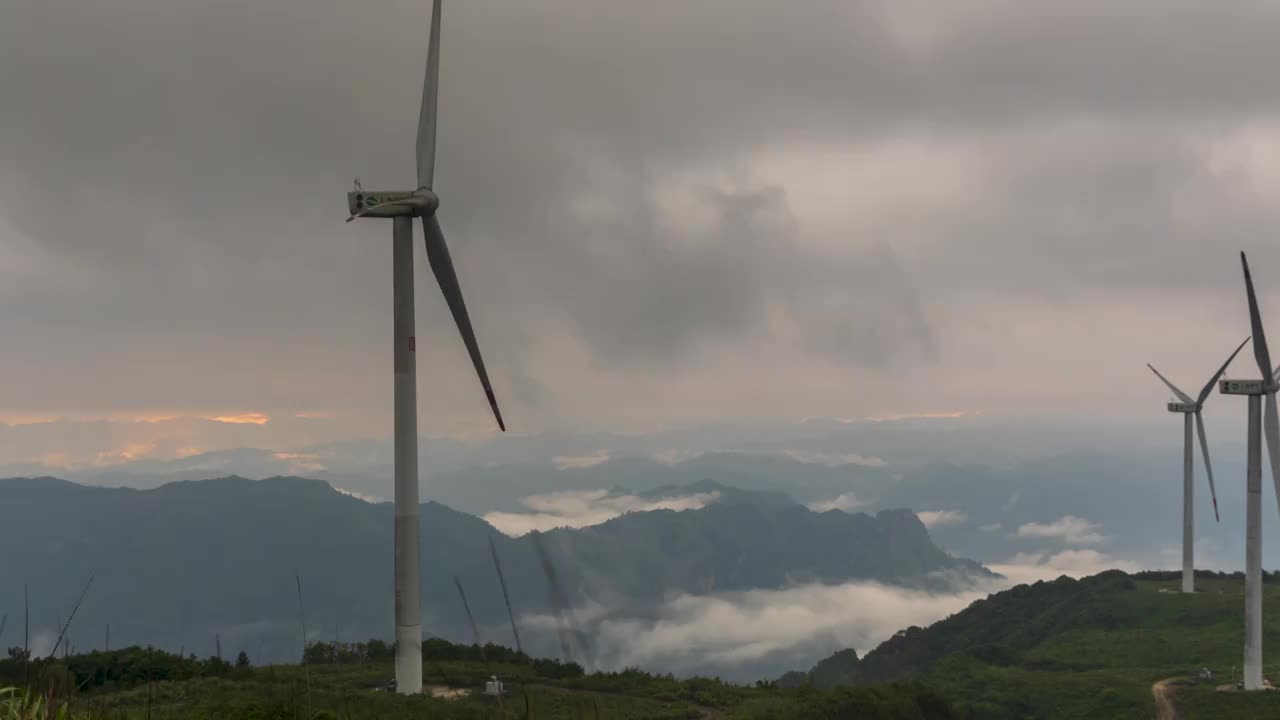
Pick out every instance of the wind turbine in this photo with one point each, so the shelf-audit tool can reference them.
(502, 581)
(1256, 390)
(1191, 409)
(402, 207)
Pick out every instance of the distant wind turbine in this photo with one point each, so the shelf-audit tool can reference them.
(1191, 409)
(1256, 390)
(62, 634)
(563, 608)
(26, 634)
(471, 619)
(506, 598)
(402, 207)
(557, 601)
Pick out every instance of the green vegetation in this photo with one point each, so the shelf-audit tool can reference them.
(348, 682)
(1061, 650)
(1090, 648)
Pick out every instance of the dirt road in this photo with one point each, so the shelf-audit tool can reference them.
(1163, 693)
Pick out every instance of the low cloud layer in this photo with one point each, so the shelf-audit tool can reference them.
(762, 633)
(834, 459)
(1031, 567)
(582, 508)
(360, 496)
(1068, 529)
(567, 462)
(846, 502)
(937, 518)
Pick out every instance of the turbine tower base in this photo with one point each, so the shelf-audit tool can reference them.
(409, 664)
(1188, 515)
(408, 588)
(1253, 552)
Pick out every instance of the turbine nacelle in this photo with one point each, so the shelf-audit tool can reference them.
(1242, 387)
(1181, 407)
(392, 203)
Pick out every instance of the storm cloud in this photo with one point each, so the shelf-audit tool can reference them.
(660, 212)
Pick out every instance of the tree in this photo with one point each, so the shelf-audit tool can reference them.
(17, 653)
(242, 660)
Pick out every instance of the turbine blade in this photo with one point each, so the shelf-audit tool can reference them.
(442, 266)
(1271, 428)
(427, 116)
(493, 550)
(1255, 320)
(1208, 388)
(1181, 395)
(1208, 468)
(554, 595)
(471, 619)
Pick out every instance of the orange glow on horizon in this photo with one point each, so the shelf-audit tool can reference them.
(59, 460)
(154, 418)
(18, 420)
(131, 451)
(253, 418)
(927, 416)
(301, 462)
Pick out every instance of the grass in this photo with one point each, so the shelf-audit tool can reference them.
(26, 704)
(350, 692)
(1067, 650)
(1098, 654)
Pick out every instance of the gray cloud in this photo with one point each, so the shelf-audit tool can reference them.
(1068, 529)
(634, 191)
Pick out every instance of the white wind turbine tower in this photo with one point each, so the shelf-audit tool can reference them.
(402, 207)
(1191, 409)
(1256, 390)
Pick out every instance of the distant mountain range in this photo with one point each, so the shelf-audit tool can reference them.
(1125, 502)
(191, 561)
(1124, 505)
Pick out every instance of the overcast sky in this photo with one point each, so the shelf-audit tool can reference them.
(661, 212)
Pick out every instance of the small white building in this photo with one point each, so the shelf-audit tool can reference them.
(493, 686)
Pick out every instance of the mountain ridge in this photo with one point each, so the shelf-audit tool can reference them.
(187, 561)
(1077, 648)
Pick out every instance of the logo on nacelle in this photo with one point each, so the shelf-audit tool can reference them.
(1241, 387)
